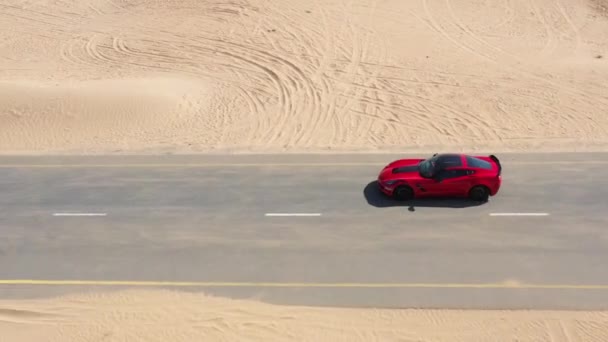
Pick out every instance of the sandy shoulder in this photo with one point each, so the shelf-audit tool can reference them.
(99, 76)
(136, 315)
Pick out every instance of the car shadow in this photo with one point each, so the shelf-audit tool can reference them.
(376, 198)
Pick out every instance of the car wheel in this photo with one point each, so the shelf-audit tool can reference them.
(479, 193)
(403, 193)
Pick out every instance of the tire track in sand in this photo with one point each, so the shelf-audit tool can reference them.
(288, 79)
(340, 130)
(423, 108)
(381, 58)
(350, 93)
(326, 104)
(313, 62)
(294, 91)
(309, 61)
(499, 57)
(504, 59)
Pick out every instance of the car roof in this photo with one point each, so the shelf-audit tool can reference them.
(444, 157)
(462, 160)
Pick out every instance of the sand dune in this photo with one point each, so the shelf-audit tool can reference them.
(257, 75)
(173, 316)
(95, 113)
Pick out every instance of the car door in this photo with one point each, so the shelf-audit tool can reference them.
(452, 182)
(426, 187)
(436, 186)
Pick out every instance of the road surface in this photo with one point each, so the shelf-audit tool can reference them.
(309, 229)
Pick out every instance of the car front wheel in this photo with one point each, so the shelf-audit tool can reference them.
(479, 193)
(403, 193)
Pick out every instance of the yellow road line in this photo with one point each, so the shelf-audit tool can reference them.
(209, 165)
(301, 285)
(167, 165)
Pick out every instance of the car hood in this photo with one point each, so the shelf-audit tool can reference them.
(400, 169)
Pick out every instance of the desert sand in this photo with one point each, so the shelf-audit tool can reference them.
(186, 76)
(136, 315)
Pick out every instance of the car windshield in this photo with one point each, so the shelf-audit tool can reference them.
(427, 167)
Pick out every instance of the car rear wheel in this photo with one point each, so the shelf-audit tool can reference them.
(479, 193)
(403, 193)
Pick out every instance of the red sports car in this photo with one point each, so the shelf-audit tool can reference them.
(448, 174)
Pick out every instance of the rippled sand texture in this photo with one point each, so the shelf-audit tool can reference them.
(173, 316)
(257, 75)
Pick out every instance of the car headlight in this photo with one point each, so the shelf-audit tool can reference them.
(390, 182)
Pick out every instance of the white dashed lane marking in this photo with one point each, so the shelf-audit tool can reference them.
(291, 214)
(80, 214)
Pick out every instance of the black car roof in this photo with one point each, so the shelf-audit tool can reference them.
(444, 159)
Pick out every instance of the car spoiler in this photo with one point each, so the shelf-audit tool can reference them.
(495, 159)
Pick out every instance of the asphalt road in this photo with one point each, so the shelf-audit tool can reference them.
(204, 219)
